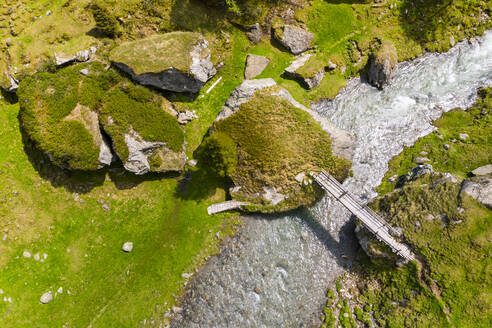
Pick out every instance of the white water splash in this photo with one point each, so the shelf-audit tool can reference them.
(276, 271)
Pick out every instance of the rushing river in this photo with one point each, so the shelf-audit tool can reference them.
(275, 272)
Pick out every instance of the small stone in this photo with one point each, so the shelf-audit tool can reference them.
(46, 298)
(26, 254)
(8, 42)
(464, 136)
(421, 160)
(1, 291)
(36, 257)
(45, 256)
(446, 146)
(48, 13)
(177, 309)
(192, 162)
(127, 247)
(186, 275)
(217, 235)
(454, 141)
(84, 71)
(60, 290)
(105, 207)
(4, 238)
(393, 178)
(440, 136)
(346, 315)
(424, 153)
(331, 66)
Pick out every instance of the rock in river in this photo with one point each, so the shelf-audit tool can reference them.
(382, 65)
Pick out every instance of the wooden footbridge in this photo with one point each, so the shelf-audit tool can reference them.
(373, 222)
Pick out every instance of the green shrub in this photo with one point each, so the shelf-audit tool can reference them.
(105, 21)
(218, 154)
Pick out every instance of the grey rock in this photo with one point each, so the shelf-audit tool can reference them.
(8, 42)
(83, 55)
(61, 59)
(424, 153)
(36, 257)
(14, 84)
(26, 254)
(421, 160)
(332, 66)
(446, 146)
(383, 65)
(192, 162)
(186, 117)
(243, 94)
(418, 171)
(127, 247)
(479, 188)
(309, 82)
(84, 71)
(254, 33)
(294, 38)
(139, 151)
(106, 156)
(105, 207)
(464, 136)
(483, 170)
(46, 298)
(255, 65)
(48, 13)
(270, 194)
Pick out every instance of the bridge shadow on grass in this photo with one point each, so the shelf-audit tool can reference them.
(344, 250)
(83, 181)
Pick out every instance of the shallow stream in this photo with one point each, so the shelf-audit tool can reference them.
(275, 272)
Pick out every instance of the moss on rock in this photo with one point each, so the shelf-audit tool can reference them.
(47, 102)
(278, 145)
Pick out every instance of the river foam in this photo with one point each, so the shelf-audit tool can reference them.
(275, 272)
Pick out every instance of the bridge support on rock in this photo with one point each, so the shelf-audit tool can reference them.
(373, 222)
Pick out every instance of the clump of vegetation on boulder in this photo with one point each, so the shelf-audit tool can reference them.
(61, 112)
(46, 101)
(278, 145)
(218, 154)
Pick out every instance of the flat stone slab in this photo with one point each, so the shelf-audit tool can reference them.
(255, 65)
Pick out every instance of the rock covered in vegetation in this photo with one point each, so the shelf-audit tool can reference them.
(176, 61)
(69, 116)
(255, 65)
(382, 65)
(479, 188)
(271, 139)
(294, 38)
(308, 70)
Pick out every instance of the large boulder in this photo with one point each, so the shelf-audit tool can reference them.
(294, 38)
(145, 136)
(483, 170)
(59, 114)
(81, 120)
(479, 188)
(278, 144)
(307, 69)
(177, 61)
(382, 65)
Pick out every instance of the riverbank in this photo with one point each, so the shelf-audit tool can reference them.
(307, 250)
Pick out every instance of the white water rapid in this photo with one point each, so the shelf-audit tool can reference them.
(275, 272)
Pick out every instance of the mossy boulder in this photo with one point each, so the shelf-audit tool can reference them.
(382, 65)
(278, 145)
(81, 120)
(145, 136)
(59, 113)
(176, 61)
(307, 69)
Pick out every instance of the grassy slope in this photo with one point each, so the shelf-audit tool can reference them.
(108, 287)
(456, 257)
